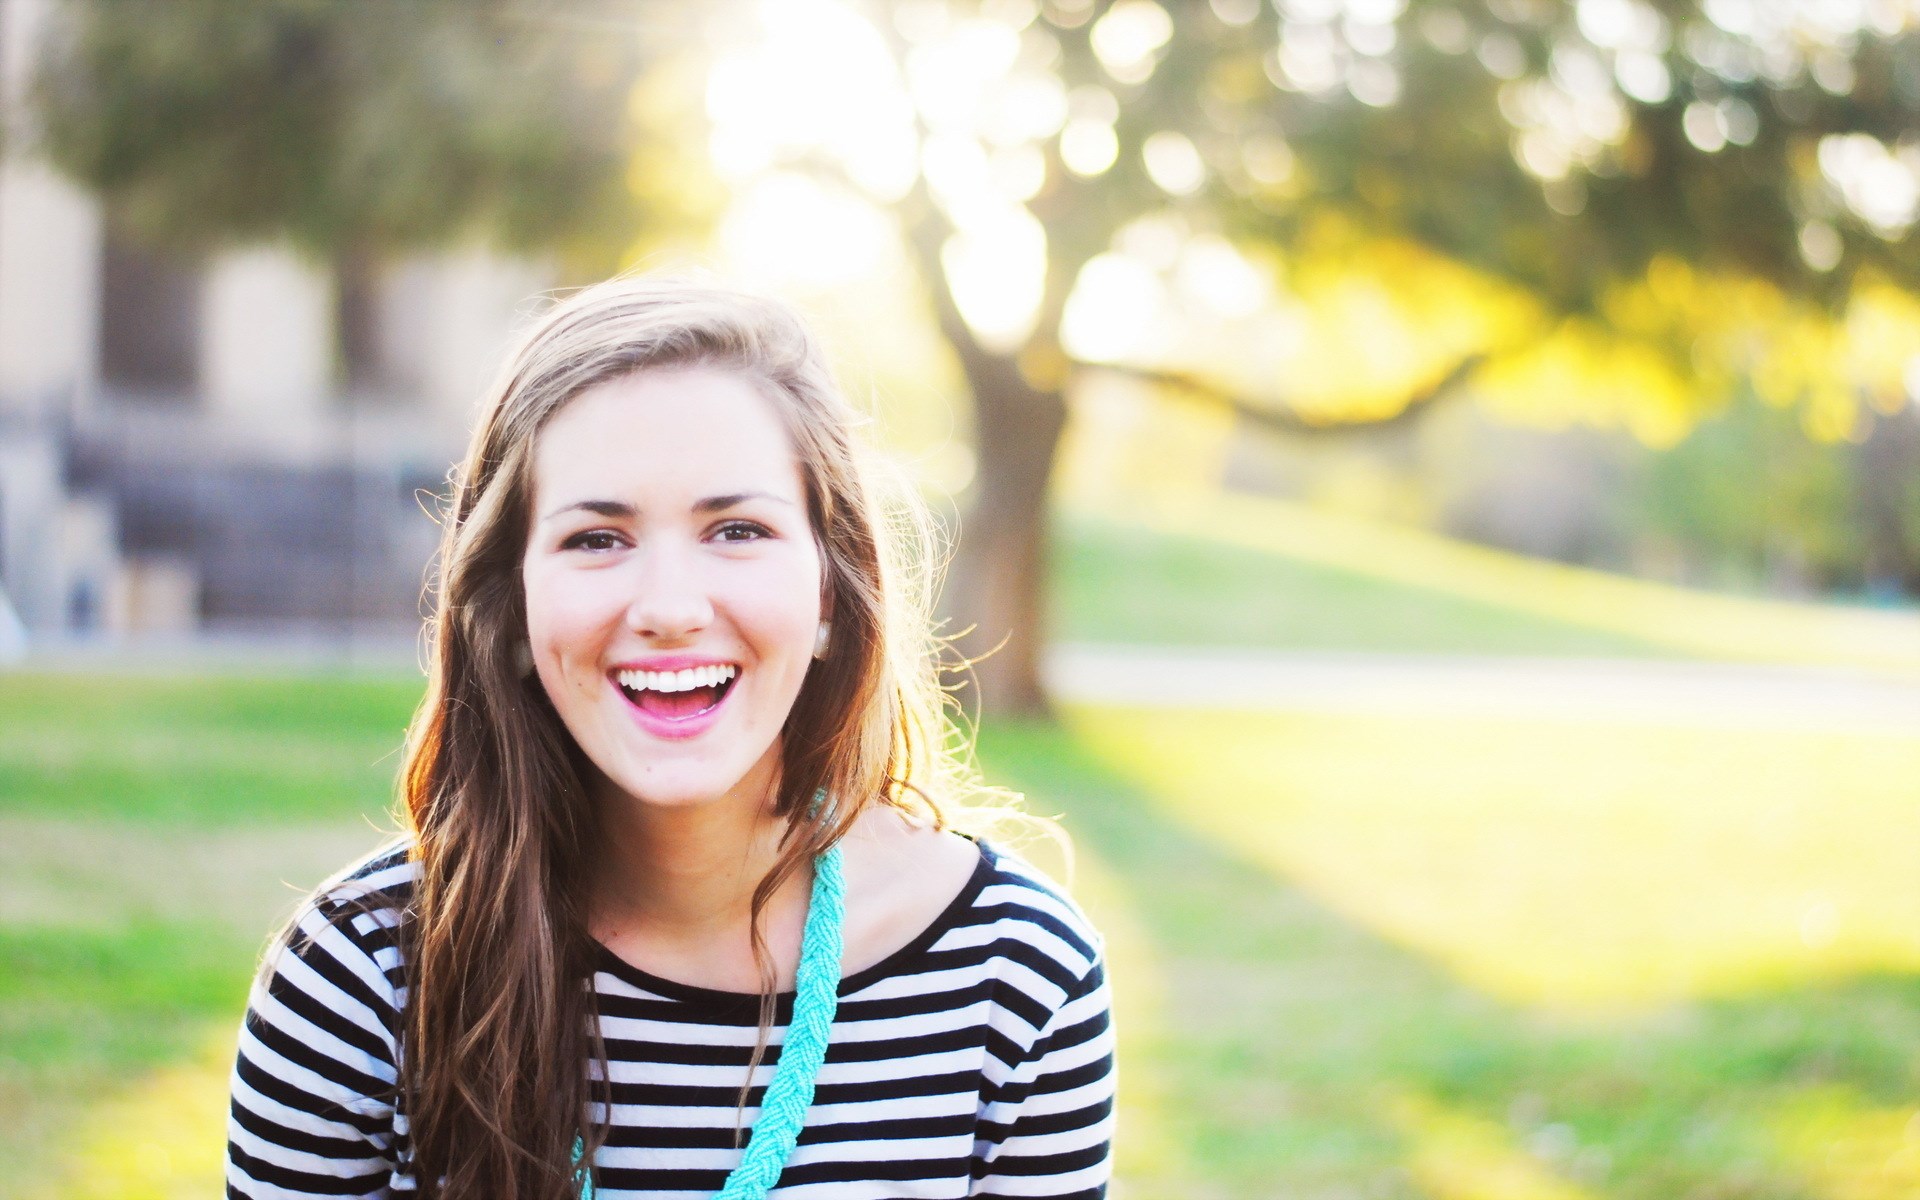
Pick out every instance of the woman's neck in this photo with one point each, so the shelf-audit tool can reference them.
(688, 872)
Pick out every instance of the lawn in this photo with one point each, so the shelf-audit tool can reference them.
(1110, 586)
(1356, 956)
(152, 830)
(1408, 955)
(1254, 571)
(1388, 956)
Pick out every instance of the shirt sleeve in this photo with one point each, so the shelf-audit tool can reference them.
(312, 1110)
(1048, 1130)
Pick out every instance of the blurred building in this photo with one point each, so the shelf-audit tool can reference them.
(237, 443)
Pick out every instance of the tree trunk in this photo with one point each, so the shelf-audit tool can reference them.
(998, 581)
(1886, 466)
(356, 318)
(994, 601)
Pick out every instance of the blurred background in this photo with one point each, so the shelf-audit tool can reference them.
(1442, 478)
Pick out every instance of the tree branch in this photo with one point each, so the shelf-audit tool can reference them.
(1283, 421)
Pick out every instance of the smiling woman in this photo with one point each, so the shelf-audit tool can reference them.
(675, 546)
(681, 909)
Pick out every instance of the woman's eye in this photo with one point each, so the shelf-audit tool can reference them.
(592, 539)
(741, 531)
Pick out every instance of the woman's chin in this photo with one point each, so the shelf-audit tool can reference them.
(667, 793)
(666, 787)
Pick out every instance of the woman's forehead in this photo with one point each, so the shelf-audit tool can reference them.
(680, 430)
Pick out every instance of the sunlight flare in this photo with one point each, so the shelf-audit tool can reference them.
(996, 266)
(789, 229)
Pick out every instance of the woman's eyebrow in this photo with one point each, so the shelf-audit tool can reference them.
(602, 508)
(716, 503)
(623, 510)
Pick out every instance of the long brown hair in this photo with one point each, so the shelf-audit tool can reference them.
(499, 1024)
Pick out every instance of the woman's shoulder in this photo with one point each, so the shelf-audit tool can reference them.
(945, 884)
(378, 884)
(329, 991)
(351, 916)
(1048, 958)
(1030, 906)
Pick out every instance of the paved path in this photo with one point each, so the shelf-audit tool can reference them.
(262, 652)
(1694, 693)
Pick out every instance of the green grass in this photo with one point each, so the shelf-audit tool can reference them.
(1231, 569)
(152, 832)
(1339, 941)
(114, 999)
(1291, 1030)
(88, 1015)
(1111, 584)
(200, 752)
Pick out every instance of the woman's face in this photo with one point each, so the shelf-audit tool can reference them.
(673, 585)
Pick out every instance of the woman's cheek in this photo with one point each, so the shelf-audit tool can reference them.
(783, 598)
(568, 618)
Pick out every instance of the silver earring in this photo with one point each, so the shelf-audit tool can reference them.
(820, 639)
(523, 658)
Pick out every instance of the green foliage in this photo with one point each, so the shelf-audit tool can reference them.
(1498, 136)
(1753, 500)
(1443, 160)
(360, 124)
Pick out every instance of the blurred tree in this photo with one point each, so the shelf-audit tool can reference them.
(1624, 207)
(351, 130)
(1749, 500)
(1667, 186)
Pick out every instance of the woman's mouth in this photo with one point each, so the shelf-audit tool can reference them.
(676, 696)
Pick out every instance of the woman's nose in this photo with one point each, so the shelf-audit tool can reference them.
(670, 598)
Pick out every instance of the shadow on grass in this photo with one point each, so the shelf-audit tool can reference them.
(1297, 1054)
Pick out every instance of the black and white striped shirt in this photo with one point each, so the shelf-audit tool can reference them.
(976, 1061)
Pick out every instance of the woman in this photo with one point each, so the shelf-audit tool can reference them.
(679, 911)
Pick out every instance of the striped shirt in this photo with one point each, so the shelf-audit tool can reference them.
(976, 1061)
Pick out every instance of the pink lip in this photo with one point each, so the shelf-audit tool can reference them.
(668, 727)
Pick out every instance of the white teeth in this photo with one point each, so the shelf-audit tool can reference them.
(676, 681)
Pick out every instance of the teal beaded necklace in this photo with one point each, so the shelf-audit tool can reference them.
(783, 1110)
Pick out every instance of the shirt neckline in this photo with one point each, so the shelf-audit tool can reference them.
(620, 968)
